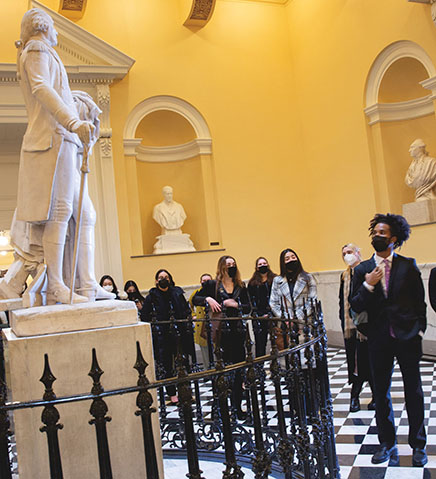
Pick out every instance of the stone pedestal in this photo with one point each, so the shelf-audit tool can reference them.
(173, 244)
(112, 328)
(420, 212)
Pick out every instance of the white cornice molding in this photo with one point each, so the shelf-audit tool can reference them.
(168, 154)
(87, 48)
(130, 146)
(404, 110)
(392, 53)
(76, 73)
(430, 84)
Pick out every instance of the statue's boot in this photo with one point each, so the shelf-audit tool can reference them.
(85, 267)
(12, 285)
(53, 242)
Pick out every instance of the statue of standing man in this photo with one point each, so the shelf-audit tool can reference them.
(421, 174)
(49, 175)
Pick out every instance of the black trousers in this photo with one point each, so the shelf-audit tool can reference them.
(357, 360)
(261, 336)
(382, 351)
(165, 351)
(233, 346)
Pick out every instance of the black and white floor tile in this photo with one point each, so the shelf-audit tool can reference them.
(356, 433)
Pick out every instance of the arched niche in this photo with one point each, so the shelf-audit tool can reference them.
(399, 108)
(167, 142)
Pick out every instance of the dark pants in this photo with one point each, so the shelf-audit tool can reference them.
(233, 346)
(261, 335)
(382, 351)
(165, 350)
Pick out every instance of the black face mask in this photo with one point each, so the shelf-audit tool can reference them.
(380, 243)
(163, 283)
(263, 269)
(131, 296)
(231, 271)
(292, 266)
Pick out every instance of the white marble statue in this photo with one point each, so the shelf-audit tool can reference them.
(170, 216)
(49, 174)
(421, 174)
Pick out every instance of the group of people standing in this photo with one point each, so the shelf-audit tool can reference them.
(225, 296)
(382, 313)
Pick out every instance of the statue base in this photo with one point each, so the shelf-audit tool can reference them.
(70, 356)
(420, 212)
(173, 244)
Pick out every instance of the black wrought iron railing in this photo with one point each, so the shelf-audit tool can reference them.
(283, 426)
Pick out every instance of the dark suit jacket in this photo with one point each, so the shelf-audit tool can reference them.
(404, 308)
(432, 288)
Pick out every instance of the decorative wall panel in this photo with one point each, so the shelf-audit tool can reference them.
(72, 9)
(201, 12)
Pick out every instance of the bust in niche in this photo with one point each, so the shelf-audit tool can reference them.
(421, 174)
(170, 216)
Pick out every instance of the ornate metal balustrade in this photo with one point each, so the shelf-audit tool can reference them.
(287, 428)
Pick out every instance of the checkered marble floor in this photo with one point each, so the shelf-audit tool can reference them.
(356, 433)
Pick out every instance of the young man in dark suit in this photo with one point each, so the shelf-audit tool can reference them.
(389, 288)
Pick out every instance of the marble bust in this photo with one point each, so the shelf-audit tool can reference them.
(421, 174)
(170, 216)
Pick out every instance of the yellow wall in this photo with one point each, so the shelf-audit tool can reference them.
(282, 90)
(333, 46)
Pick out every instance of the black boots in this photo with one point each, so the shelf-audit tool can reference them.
(355, 391)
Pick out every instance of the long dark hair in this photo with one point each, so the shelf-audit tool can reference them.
(168, 273)
(256, 279)
(300, 270)
(136, 293)
(222, 268)
(114, 286)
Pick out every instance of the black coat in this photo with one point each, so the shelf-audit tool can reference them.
(404, 308)
(160, 304)
(432, 288)
(217, 292)
(259, 296)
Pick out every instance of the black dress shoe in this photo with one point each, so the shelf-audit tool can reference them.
(384, 453)
(419, 458)
(354, 405)
(371, 405)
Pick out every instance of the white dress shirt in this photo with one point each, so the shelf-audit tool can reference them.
(379, 261)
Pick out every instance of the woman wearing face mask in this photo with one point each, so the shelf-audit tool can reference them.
(133, 294)
(293, 289)
(227, 296)
(356, 346)
(259, 289)
(108, 283)
(164, 301)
